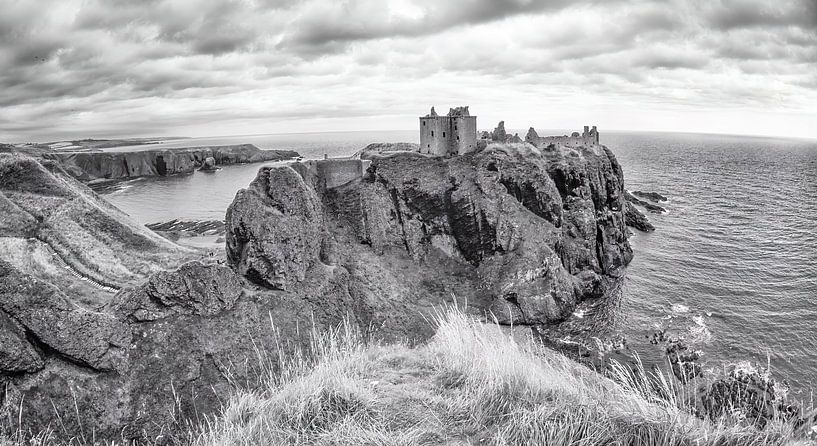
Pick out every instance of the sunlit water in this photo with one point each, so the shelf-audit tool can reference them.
(732, 265)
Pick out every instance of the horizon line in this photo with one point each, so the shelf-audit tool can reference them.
(601, 131)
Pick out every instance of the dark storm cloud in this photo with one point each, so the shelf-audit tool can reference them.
(758, 13)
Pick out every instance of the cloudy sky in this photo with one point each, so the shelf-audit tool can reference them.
(103, 68)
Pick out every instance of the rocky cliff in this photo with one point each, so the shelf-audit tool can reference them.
(514, 232)
(89, 165)
(535, 232)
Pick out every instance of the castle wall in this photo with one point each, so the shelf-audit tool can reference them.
(466, 134)
(431, 131)
(576, 140)
(331, 173)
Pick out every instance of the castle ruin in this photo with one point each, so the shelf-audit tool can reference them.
(453, 134)
(456, 134)
(589, 137)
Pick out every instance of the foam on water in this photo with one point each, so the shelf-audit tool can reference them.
(679, 308)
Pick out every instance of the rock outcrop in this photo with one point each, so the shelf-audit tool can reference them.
(653, 196)
(274, 228)
(654, 208)
(209, 165)
(636, 219)
(90, 166)
(538, 232)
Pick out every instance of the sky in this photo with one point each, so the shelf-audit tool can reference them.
(123, 68)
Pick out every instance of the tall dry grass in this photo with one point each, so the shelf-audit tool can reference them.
(471, 384)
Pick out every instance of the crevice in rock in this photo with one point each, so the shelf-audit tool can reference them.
(395, 200)
(47, 351)
(600, 248)
(527, 196)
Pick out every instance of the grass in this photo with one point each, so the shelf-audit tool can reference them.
(471, 384)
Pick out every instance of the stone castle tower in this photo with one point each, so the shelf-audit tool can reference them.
(453, 134)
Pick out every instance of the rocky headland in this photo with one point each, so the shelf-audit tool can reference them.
(106, 324)
(93, 165)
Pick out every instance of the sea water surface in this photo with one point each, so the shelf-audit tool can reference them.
(732, 265)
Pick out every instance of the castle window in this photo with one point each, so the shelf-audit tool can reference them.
(443, 134)
(455, 127)
(424, 123)
(458, 138)
(432, 133)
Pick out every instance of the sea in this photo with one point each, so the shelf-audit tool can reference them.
(731, 267)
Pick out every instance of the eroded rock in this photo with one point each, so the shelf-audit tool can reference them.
(194, 289)
(274, 228)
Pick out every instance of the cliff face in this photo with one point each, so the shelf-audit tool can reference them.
(89, 166)
(536, 232)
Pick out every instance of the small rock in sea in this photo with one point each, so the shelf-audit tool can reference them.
(653, 196)
(636, 219)
(655, 209)
(209, 165)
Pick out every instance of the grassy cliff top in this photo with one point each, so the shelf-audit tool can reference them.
(471, 384)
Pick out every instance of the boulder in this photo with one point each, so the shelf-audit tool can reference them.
(274, 228)
(193, 289)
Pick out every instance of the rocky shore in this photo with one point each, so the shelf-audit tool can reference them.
(521, 235)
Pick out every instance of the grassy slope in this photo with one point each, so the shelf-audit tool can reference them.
(471, 384)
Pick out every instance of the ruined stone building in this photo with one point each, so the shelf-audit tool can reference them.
(453, 134)
(589, 137)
